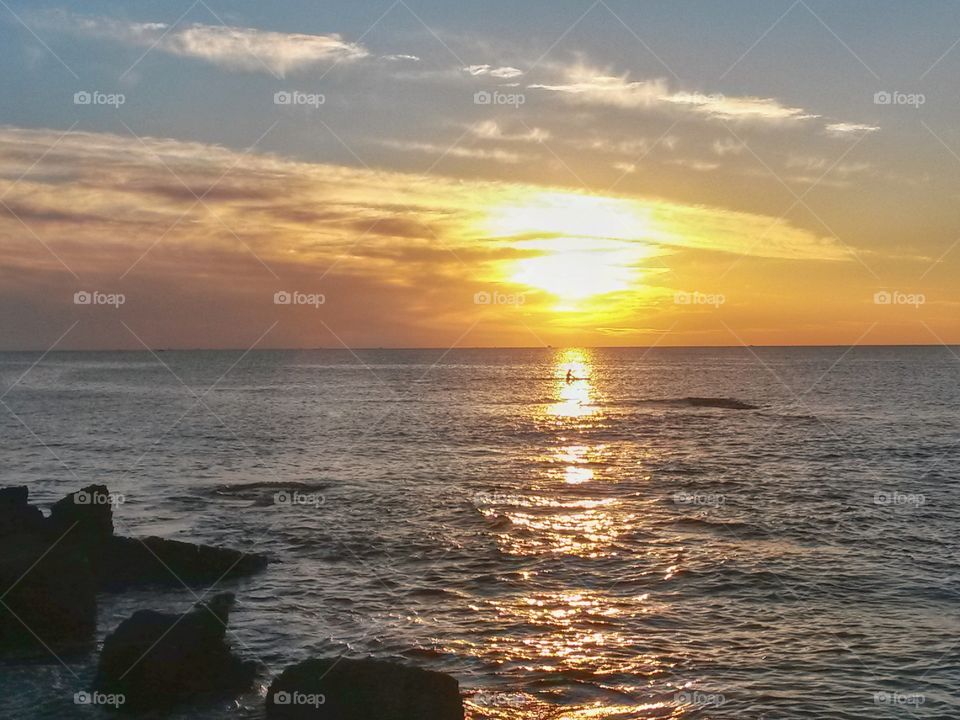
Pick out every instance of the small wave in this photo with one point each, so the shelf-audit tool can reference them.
(731, 527)
(498, 521)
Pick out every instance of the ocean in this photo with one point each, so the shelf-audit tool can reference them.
(672, 533)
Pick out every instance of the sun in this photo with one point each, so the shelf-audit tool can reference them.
(575, 268)
(585, 245)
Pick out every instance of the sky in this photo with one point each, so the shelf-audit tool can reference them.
(414, 173)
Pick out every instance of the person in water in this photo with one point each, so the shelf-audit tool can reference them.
(570, 377)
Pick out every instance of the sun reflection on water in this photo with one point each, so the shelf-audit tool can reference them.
(574, 373)
(572, 508)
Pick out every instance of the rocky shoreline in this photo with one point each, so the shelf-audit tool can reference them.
(53, 567)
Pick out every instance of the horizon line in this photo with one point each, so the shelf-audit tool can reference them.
(480, 347)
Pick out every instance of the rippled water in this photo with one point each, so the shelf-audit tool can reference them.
(604, 548)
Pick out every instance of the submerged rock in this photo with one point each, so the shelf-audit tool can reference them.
(157, 660)
(342, 689)
(726, 403)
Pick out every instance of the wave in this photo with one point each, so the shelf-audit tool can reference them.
(733, 528)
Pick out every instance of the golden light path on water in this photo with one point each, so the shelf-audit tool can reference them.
(570, 509)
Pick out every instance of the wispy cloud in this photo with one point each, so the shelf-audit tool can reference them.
(505, 71)
(728, 146)
(849, 129)
(586, 85)
(492, 130)
(457, 151)
(234, 48)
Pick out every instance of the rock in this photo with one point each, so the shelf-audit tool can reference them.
(726, 403)
(121, 563)
(88, 512)
(51, 568)
(342, 689)
(158, 660)
(17, 515)
(48, 596)
(132, 562)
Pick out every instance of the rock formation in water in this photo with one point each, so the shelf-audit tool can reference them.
(156, 660)
(52, 567)
(48, 587)
(342, 689)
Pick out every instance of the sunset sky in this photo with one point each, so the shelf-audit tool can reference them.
(496, 173)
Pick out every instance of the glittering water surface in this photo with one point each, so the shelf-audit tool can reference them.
(600, 548)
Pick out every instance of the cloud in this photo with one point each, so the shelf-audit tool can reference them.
(634, 147)
(698, 165)
(457, 151)
(504, 72)
(398, 255)
(849, 129)
(123, 182)
(728, 146)
(585, 85)
(817, 170)
(234, 48)
(491, 130)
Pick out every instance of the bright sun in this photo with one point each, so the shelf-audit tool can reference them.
(586, 245)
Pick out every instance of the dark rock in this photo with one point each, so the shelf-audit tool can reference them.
(50, 568)
(17, 515)
(88, 514)
(120, 563)
(341, 689)
(158, 660)
(47, 596)
(726, 403)
(134, 562)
